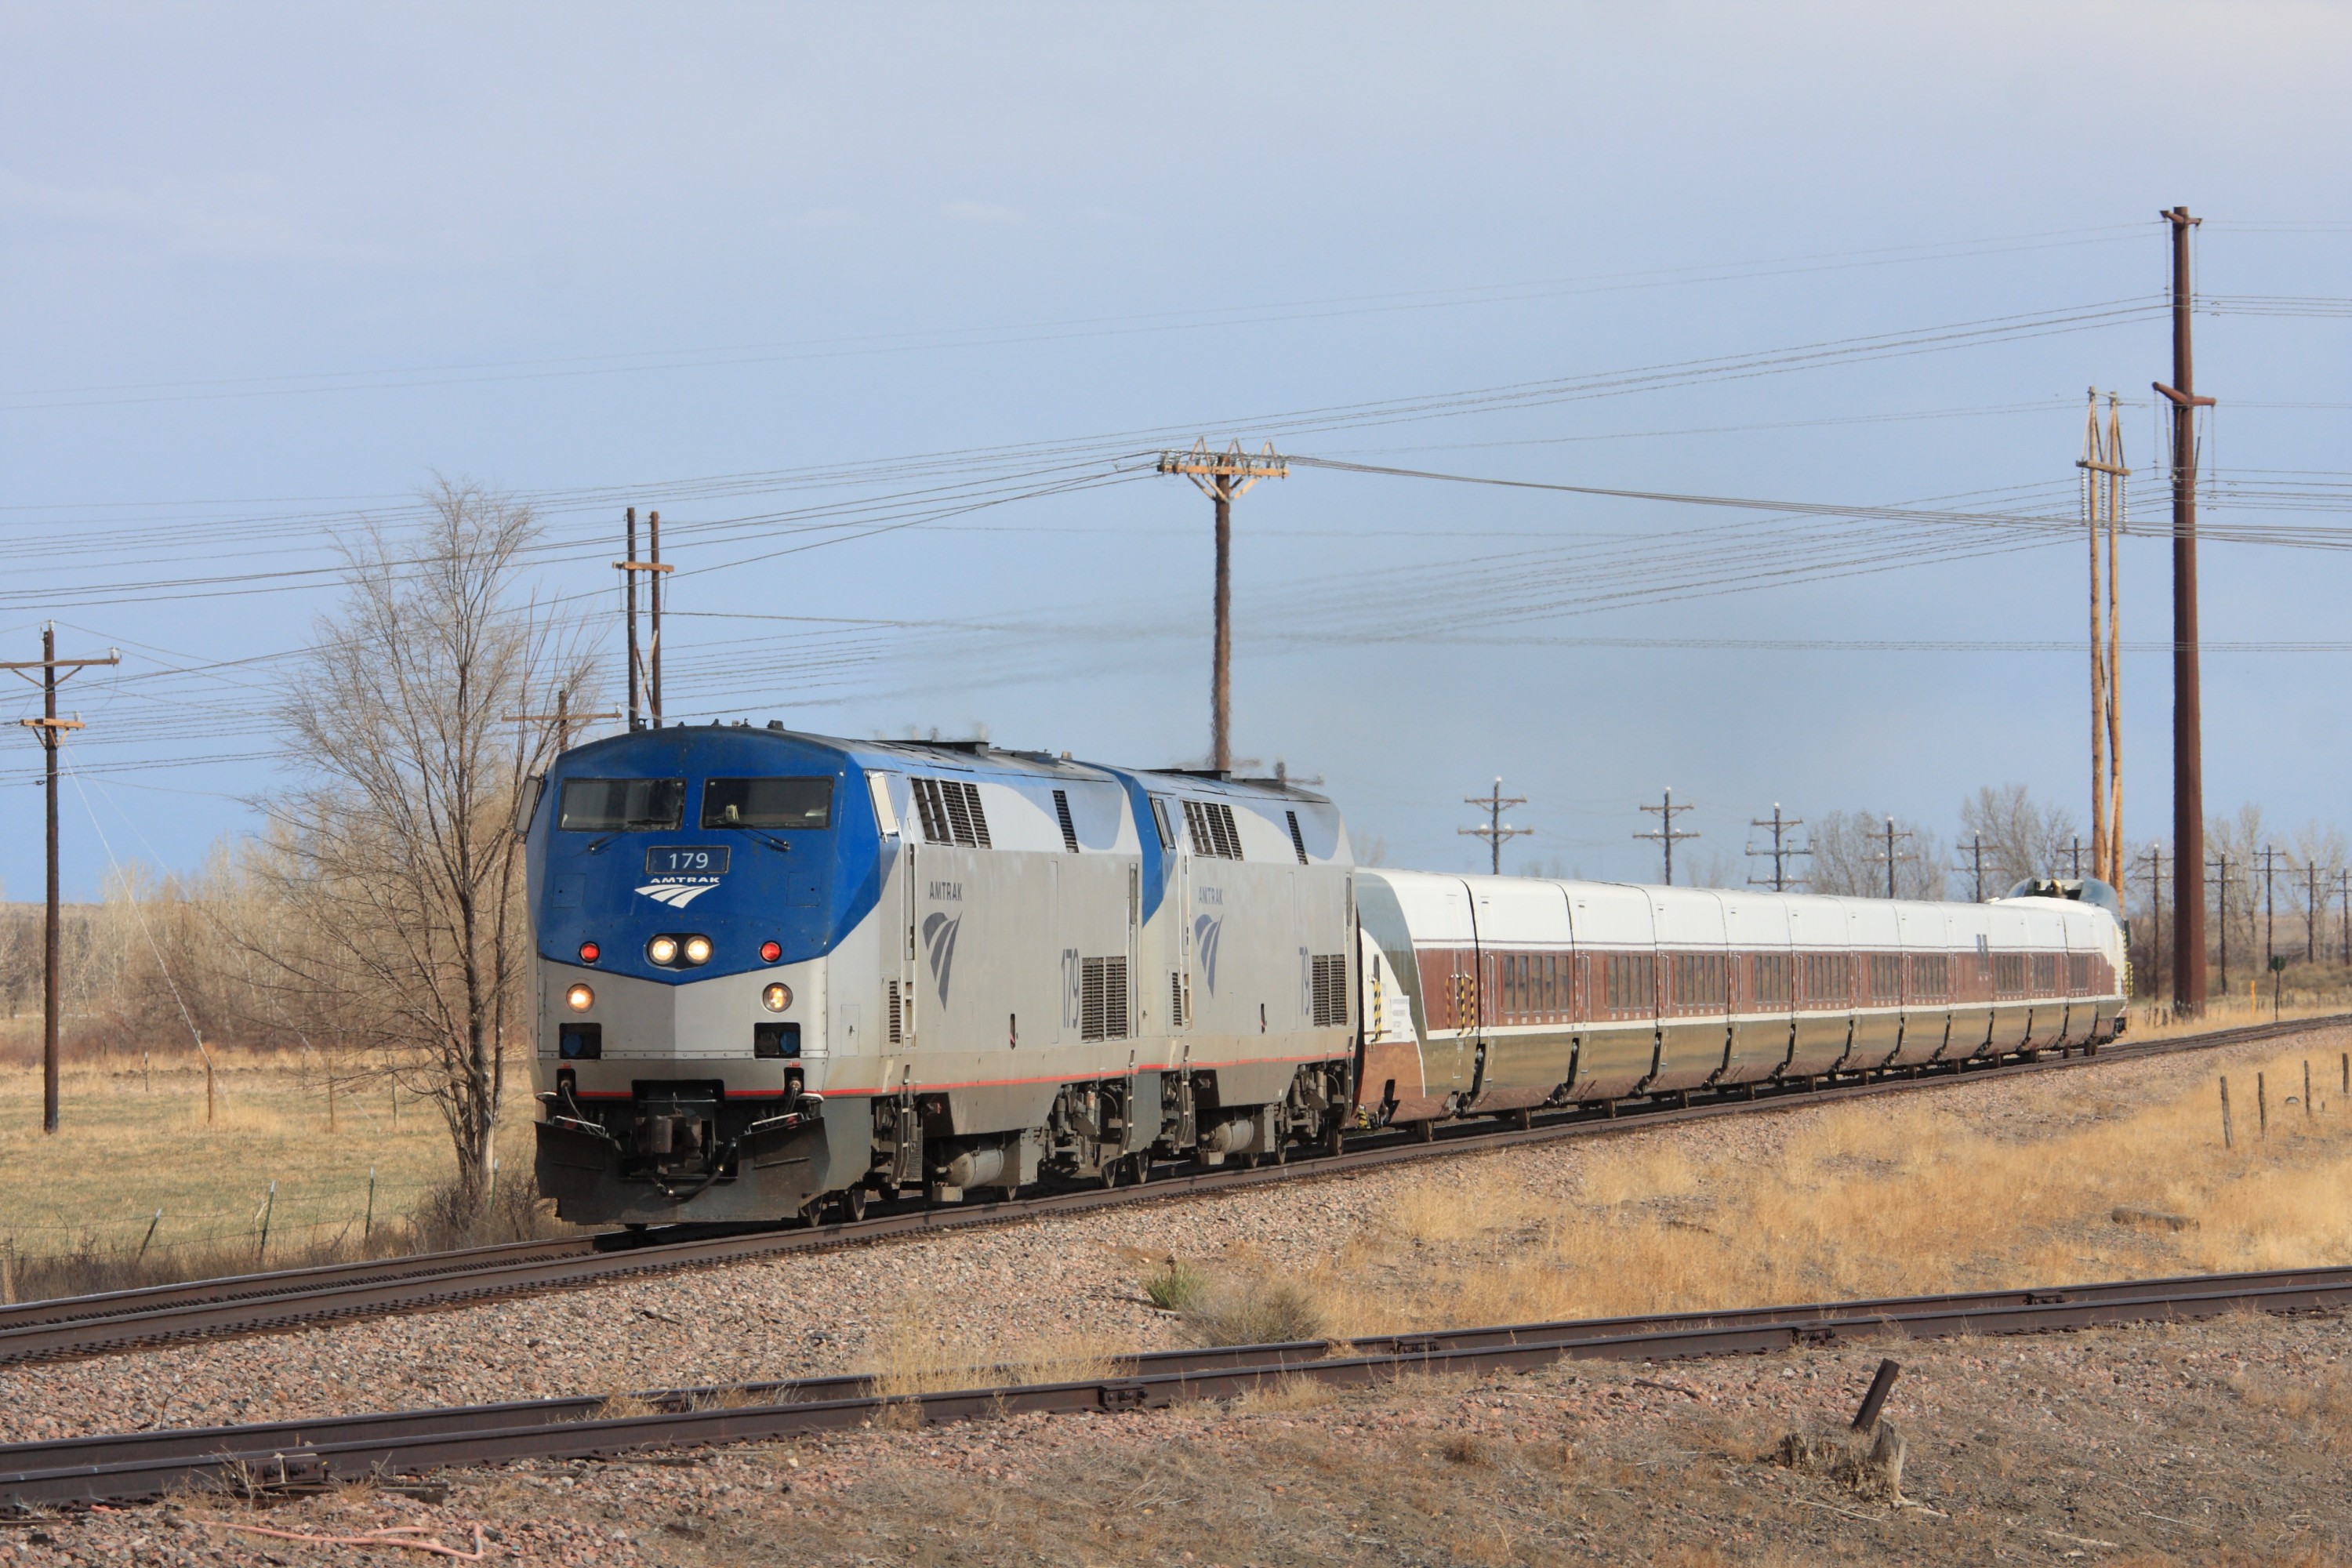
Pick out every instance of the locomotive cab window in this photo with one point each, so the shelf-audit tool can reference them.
(777, 804)
(621, 805)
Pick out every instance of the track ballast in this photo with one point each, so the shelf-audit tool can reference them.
(72, 1327)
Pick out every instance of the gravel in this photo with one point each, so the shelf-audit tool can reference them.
(1054, 1280)
(2160, 1443)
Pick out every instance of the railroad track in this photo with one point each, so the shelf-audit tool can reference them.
(297, 1455)
(92, 1325)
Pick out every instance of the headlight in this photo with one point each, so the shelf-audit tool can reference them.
(579, 998)
(697, 950)
(663, 950)
(775, 998)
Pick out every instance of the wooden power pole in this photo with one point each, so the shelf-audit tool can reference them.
(1493, 830)
(645, 665)
(2187, 719)
(1222, 475)
(1668, 835)
(2103, 477)
(1781, 851)
(51, 729)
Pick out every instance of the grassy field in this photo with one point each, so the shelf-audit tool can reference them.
(135, 1141)
(2081, 1178)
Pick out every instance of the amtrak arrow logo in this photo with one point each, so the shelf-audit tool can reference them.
(1205, 932)
(676, 895)
(939, 940)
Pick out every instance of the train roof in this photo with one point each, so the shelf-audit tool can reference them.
(983, 759)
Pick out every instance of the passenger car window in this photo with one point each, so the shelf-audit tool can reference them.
(766, 803)
(620, 805)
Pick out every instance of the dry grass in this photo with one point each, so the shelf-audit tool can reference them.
(1836, 1210)
(2236, 1009)
(1285, 1395)
(75, 1207)
(928, 1346)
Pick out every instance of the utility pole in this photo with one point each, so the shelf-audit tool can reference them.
(1222, 475)
(1781, 856)
(2343, 876)
(2220, 865)
(2270, 904)
(2078, 857)
(1976, 862)
(2187, 719)
(2104, 479)
(50, 729)
(1493, 830)
(653, 555)
(2311, 911)
(1667, 834)
(2156, 920)
(1891, 836)
(644, 670)
(564, 719)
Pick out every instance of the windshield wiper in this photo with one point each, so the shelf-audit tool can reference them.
(778, 845)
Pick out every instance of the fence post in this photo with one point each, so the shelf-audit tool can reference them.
(367, 1226)
(331, 1100)
(150, 1235)
(8, 1272)
(2227, 1141)
(208, 1088)
(269, 1207)
(2306, 1088)
(2261, 1107)
(146, 1075)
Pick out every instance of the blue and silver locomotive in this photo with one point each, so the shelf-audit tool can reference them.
(779, 973)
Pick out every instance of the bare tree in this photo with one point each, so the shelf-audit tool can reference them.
(2237, 839)
(2021, 839)
(399, 858)
(1848, 857)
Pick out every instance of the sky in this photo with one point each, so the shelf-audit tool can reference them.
(888, 312)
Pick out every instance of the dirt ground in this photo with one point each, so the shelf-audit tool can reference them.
(2205, 1443)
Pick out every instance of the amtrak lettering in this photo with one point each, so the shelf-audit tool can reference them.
(949, 892)
(939, 941)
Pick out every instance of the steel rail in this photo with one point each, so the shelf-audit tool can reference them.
(292, 1454)
(75, 1327)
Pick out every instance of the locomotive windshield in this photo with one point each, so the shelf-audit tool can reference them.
(766, 803)
(621, 805)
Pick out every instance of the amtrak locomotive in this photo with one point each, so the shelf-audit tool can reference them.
(779, 974)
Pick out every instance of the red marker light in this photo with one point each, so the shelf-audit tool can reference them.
(770, 951)
(590, 953)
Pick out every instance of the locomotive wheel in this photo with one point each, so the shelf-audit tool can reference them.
(1334, 1140)
(853, 1204)
(1428, 1130)
(1111, 1172)
(1142, 1167)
